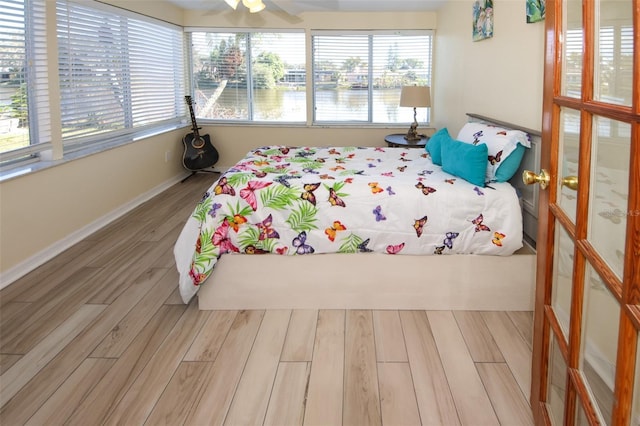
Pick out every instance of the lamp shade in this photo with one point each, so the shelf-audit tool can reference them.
(415, 96)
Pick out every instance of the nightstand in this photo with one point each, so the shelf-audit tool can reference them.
(397, 140)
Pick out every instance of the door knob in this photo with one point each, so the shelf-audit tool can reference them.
(570, 182)
(529, 178)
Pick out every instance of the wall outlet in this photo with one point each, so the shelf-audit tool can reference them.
(167, 156)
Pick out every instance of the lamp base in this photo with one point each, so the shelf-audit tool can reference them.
(412, 135)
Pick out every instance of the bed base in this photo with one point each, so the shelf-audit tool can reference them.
(372, 281)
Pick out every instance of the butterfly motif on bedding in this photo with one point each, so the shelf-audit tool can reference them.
(336, 168)
(309, 170)
(476, 137)
(449, 237)
(419, 224)
(425, 172)
(265, 229)
(438, 250)
(495, 159)
(395, 249)
(426, 190)
(479, 225)
(248, 194)
(362, 247)
(326, 176)
(236, 221)
(284, 179)
(478, 190)
(333, 230)
(401, 169)
(300, 245)
(377, 212)
(214, 209)
(222, 187)
(497, 238)
(450, 181)
(390, 191)
(308, 192)
(221, 238)
(375, 189)
(251, 249)
(258, 173)
(304, 154)
(334, 200)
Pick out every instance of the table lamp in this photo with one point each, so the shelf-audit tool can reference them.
(416, 97)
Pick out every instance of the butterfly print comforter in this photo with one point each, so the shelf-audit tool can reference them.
(301, 201)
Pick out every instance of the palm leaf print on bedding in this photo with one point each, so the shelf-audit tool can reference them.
(352, 244)
(304, 217)
(279, 197)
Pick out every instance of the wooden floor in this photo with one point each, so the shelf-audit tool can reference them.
(98, 335)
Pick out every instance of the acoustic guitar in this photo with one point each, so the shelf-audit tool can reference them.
(198, 152)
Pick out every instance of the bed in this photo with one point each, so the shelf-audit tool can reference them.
(360, 227)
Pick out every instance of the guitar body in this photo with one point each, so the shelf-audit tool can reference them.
(199, 153)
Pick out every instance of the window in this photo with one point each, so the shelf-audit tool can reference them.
(119, 73)
(249, 76)
(358, 76)
(24, 98)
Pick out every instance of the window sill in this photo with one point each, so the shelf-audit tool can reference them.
(32, 166)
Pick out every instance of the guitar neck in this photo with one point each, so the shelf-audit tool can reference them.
(194, 125)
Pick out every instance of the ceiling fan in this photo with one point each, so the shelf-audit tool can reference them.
(253, 5)
(291, 7)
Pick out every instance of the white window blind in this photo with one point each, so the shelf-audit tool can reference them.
(24, 99)
(615, 68)
(249, 76)
(573, 55)
(358, 76)
(119, 73)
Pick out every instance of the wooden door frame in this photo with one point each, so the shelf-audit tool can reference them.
(546, 224)
(629, 323)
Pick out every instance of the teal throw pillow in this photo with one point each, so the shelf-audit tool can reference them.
(465, 160)
(435, 143)
(509, 166)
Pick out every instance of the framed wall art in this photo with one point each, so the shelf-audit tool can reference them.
(482, 19)
(535, 10)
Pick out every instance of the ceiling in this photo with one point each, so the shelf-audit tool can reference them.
(295, 7)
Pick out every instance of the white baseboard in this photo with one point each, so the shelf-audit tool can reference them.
(38, 259)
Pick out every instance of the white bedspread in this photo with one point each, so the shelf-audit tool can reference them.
(299, 201)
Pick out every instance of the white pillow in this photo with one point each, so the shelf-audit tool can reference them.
(500, 143)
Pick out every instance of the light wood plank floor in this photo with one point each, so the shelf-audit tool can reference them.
(98, 335)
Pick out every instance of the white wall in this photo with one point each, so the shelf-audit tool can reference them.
(500, 77)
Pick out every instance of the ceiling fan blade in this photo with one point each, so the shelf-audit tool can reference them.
(295, 7)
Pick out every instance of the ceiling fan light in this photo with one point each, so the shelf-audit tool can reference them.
(257, 7)
(232, 3)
